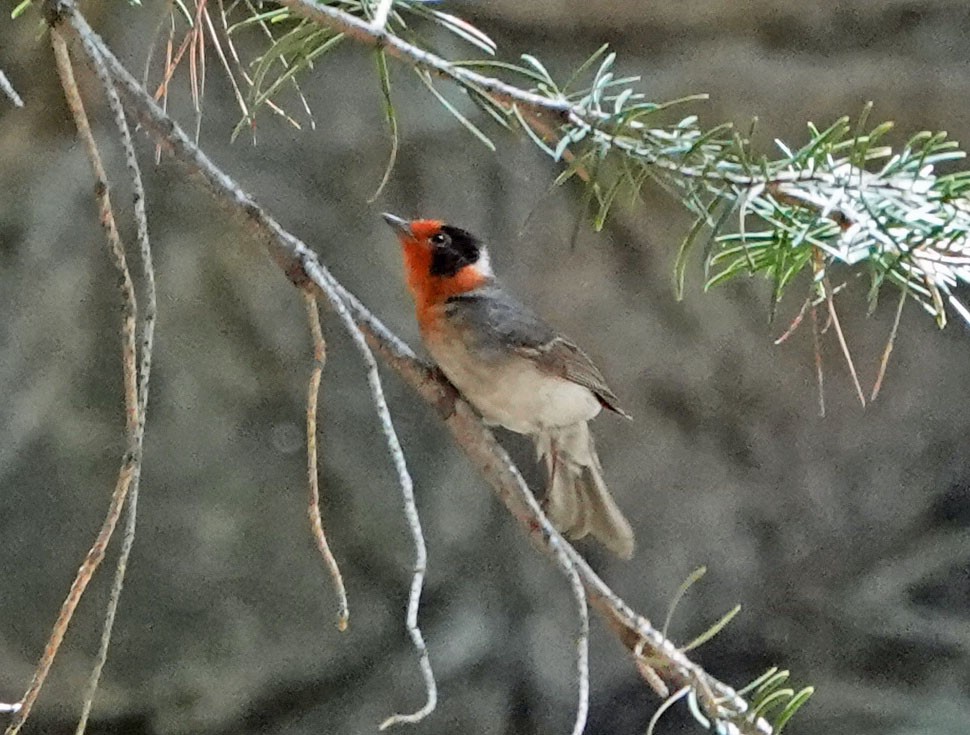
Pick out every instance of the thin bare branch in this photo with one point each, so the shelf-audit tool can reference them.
(582, 649)
(303, 268)
(321, 277)
(890, 343)
(136, 422)
(130, 463)
(834, 316)
(7, 88)
(313, 475)
(819, 370)
(662, 709)
(796, 322)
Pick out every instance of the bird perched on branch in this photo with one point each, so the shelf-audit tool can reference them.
(515, 370)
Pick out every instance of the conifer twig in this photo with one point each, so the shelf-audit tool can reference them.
(911, 224)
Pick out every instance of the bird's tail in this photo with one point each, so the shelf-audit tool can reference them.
(577, 501)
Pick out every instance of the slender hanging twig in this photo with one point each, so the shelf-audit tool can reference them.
(890, 343)
(834, 317)
(313, 475)
(130, 463)
(136, 435)
(322, 277)
(819, 370)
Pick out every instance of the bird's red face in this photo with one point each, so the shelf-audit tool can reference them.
(440, 261)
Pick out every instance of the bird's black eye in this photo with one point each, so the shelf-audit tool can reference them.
(440, 238)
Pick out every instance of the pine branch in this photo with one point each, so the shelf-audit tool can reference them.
(840, 194)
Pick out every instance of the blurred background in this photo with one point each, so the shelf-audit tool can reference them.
(846, 539)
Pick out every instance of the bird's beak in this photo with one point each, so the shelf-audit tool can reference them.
(401, 226)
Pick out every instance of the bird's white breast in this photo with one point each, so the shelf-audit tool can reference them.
(509, 390)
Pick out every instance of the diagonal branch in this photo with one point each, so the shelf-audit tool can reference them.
(7, 88)
(721, 703)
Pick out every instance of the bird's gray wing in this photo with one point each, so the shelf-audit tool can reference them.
(501, 322)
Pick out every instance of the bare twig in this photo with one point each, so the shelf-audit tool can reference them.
(890, 343)
(303, 268)
(136, 422)
(313, 508)
(796, 322)
(7, 88)
(321, 277)
(834, 316)
(662, 709)
(582, 649)
(819, 370)
(130, 463)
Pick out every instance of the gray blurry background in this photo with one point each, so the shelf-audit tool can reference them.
(845, 539)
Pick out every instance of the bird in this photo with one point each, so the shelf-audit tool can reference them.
(515, 370)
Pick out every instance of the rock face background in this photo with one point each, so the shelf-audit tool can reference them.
(845, 539)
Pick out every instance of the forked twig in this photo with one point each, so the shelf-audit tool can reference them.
(135, 432)
(313, 476)
(130, 463)
(329, 286)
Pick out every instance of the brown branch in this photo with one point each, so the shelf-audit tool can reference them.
(136, 434)
(130, 464)
(313, 508)
(304, 269)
